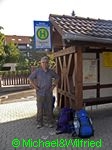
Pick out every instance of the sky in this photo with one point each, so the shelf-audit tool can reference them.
(17, 16)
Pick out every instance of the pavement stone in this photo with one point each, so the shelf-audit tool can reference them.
(18, 120)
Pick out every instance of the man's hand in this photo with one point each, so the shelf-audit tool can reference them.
(53, 86)
(34, 86)
(55, 82)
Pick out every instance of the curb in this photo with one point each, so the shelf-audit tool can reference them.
(17, 96)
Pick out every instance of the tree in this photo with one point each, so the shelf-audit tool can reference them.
(12, 53)
(23, 63)
(1, 28)
(52, 63)
(2, 52)
(8, 52)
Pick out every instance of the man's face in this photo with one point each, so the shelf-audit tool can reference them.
(44, 64)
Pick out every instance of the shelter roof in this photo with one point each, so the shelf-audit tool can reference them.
(82, 29)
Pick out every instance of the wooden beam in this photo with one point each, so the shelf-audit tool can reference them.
(98, 74)
(70, 95)
(78, 78)
(90, 44)
(64, 52)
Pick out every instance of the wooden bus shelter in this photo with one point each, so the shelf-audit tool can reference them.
(73, 38)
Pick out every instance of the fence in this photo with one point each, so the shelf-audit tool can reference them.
(14, 79)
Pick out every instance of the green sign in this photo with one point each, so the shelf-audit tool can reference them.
(42, 33)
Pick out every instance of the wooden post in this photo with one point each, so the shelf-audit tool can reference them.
(57, 94)
(0, 80)
(98, 74)
(78, 78)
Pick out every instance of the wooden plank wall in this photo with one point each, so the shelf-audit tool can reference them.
(69, 61)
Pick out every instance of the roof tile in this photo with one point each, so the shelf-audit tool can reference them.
(84, 26)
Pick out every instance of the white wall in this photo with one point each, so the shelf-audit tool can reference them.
(89, 93)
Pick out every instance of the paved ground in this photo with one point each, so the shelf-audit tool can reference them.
(18, 120)
(17, 96)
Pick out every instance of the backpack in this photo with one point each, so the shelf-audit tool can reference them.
(82, 125)
(65, 119)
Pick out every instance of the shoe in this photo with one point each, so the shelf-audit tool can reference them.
(39, 126)
(46, 124)
(50, 125)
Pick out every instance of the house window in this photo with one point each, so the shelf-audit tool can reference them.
(19, 39)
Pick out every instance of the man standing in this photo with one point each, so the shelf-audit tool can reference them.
(44, 81)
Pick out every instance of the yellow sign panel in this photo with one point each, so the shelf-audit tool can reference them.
(107, 59)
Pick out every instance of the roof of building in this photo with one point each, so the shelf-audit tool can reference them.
(82, 29)
(18, 39)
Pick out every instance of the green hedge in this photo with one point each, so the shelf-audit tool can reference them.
(19, 72)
